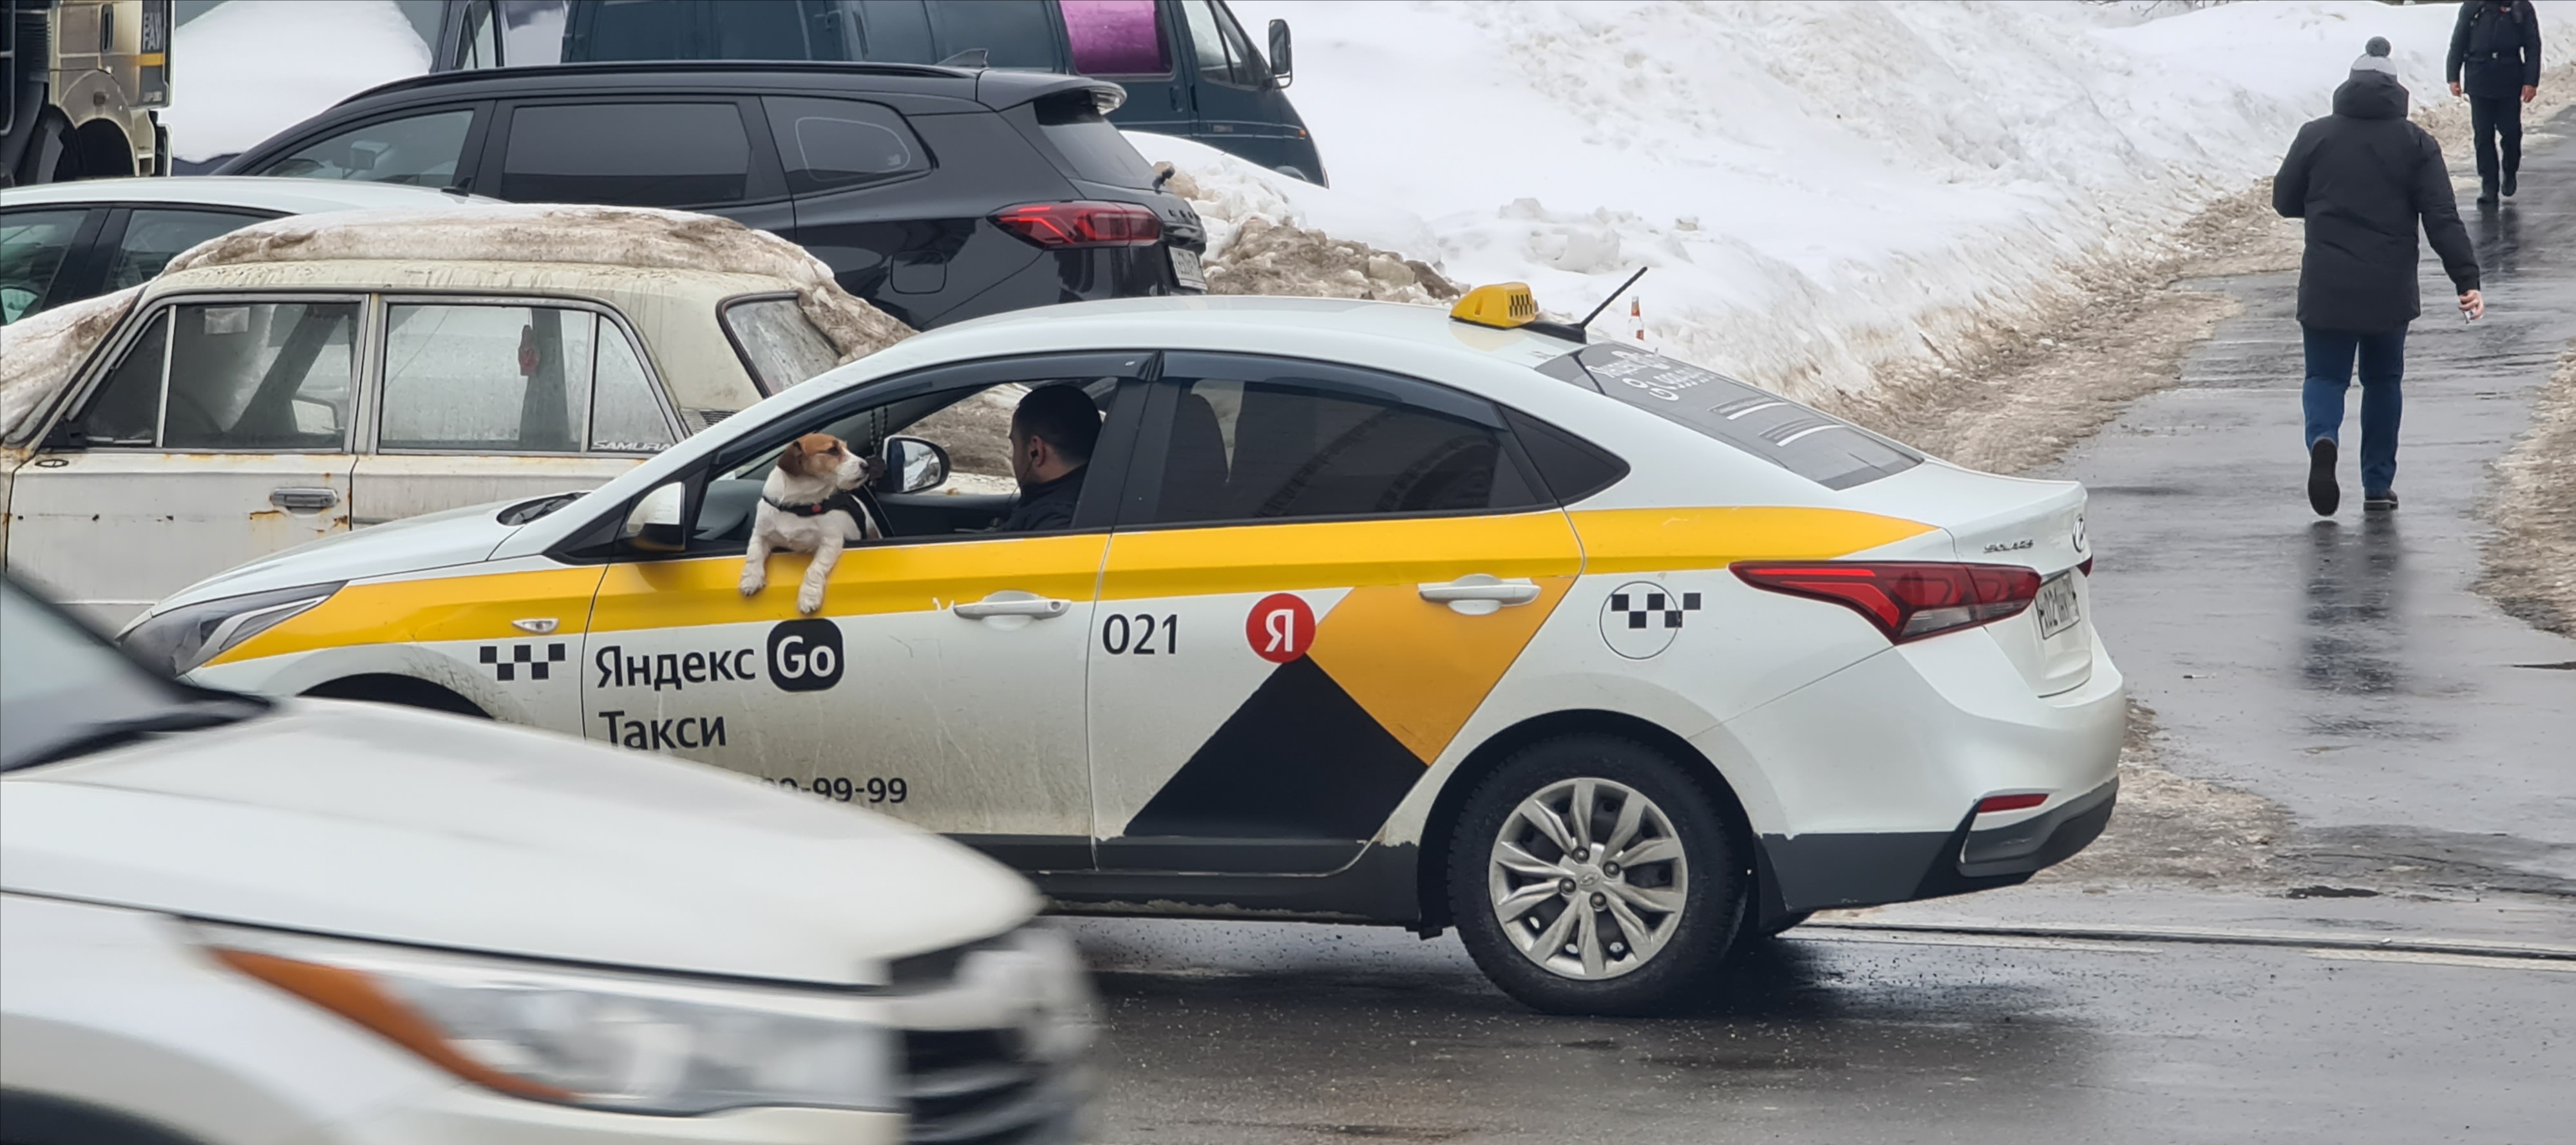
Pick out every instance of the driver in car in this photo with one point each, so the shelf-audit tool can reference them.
(1052, 433)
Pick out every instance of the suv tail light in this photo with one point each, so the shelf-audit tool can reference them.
(1064, 225)
(1907, 600)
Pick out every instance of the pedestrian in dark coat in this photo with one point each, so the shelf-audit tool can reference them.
(2362, 178)
(2495, 62)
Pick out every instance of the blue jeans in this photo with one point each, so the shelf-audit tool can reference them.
(2383, 363)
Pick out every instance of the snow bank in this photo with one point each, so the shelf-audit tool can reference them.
(1270, 234)
(637, 237)
(248, 69)
(1822, 191)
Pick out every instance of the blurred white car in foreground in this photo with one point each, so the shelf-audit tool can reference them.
(226, 919)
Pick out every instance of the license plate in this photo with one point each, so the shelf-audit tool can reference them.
(1185, 270)
(2056, 606)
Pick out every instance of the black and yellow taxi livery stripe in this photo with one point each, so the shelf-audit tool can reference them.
(1300, 556)
(1677, 540)
(1331, 742)
(871, 580)
(473, 606)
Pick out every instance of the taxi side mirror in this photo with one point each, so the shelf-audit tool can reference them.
(653, 525)
(913, 465)
(1282, 62)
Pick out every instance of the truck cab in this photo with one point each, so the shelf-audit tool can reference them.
(1188, 66)
(81, 82)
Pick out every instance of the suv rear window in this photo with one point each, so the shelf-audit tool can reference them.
(1091, 146)
(1819, 447)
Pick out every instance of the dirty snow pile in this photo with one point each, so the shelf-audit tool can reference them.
(1822, 191)
(640, 237)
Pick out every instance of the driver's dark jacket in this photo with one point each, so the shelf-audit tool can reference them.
(1045, 505)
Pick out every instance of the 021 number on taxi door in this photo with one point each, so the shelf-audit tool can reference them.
(1122, 635)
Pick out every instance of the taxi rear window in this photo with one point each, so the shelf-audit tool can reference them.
(1819, 447)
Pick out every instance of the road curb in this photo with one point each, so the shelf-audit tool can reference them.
(2415, 944)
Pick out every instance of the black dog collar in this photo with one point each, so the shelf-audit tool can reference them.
(843, 501)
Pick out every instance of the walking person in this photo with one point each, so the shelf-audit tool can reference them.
(2495, 62)
(2362, 179)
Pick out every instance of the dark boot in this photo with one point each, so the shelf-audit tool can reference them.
(2380, 502)
(2486, 192)
(2323, 493)
(2508, 184)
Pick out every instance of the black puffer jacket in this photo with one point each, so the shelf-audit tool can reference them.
(2361, 178)
(2496, 47)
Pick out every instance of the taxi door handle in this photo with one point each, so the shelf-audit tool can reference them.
(1479, 589)
(1035, 608)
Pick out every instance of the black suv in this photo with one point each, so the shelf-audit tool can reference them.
(938, 194)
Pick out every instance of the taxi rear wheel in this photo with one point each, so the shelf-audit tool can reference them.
(1591, 874)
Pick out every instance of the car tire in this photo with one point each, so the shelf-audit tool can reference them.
(1594, 966)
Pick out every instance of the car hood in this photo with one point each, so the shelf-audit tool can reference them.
(458, 536)
(384, 823)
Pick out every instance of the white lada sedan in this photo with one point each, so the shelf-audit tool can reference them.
(305, 376)
(1364, 612)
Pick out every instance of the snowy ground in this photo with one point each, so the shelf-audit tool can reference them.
(1828, 195)
(1824, 191)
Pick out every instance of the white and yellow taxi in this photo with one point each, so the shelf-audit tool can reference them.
(1367, 613)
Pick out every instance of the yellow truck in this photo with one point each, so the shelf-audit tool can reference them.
(82, 80)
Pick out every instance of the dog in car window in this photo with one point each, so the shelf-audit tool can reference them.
(807, 506)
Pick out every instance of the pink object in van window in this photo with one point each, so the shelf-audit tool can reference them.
(1115, 38)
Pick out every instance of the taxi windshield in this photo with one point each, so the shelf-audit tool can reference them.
(1817, 446)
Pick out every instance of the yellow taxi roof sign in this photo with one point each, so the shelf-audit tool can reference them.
(1502, 305)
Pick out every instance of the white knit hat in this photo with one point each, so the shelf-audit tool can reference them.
(2374, 57)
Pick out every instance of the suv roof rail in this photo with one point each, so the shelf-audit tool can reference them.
(994, 88)
(648, 67)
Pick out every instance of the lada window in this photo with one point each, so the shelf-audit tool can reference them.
(1278, 445)
(476, 378)
(422, 150)
(778, 345)
(264, 376)
(1817, 446)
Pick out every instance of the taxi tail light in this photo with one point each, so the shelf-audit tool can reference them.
(1907, 600)
(1064, 226)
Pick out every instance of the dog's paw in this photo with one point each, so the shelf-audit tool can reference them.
(808, 600)
(753, 582)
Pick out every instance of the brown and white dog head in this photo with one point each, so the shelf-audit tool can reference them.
(824, 459)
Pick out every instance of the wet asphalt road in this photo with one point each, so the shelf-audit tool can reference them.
(2344, 669)
(1281, 1033)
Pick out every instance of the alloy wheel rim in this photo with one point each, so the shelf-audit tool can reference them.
(1588, 878)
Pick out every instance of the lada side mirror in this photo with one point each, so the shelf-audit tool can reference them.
(653, 526)
(1282, 61)
(913, 465)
